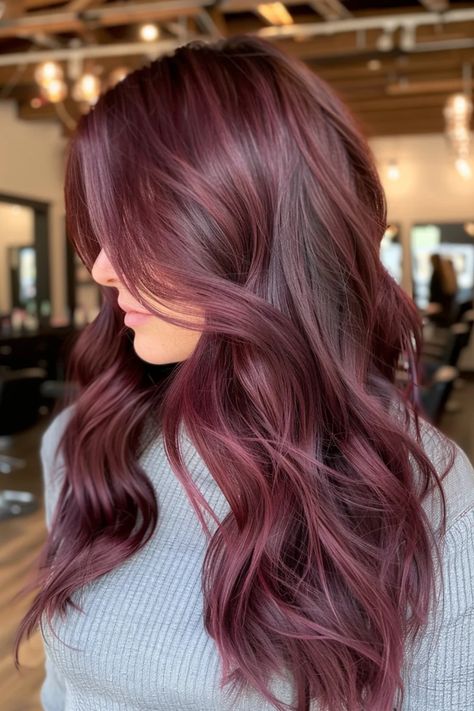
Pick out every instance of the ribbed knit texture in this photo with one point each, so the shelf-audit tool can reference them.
(141, 644)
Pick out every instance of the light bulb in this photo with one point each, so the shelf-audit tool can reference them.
(47, 72)
(149, 32)
(393, 171)
(87, 88)
(55, 91)
(374, 65)
(463, 168)
(458, 107)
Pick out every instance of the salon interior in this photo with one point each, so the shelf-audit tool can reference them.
(405, 71)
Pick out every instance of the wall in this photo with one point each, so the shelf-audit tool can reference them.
(31, 166)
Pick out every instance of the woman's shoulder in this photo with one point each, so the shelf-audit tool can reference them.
(457, 480)
(54, 431)
(453, 466)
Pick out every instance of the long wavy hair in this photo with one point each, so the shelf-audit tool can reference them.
(228, 176)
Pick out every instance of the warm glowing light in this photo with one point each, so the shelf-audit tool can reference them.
(393, 171)
(117, 75)
(385, 41)
(149, 32)
(47, 72)
(457, 114)
(55, 91)
(374, 65)
(463, 168)
(458, 106)
(275, 13)
(87, 88)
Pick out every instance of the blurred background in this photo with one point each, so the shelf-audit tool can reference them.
(404, 67)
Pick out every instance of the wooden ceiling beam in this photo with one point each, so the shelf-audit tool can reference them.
(348, 46)
(329, 48)
(13, 9)
(65, 20)
(435, 5)
(60, 21)
(371, 125)
(402, 63)
(387, 87)
(330, 9)
(416, 116)
(81, 5)
(396, 130)
(235, 6)
(422, 87)
(387, 107)
(381, 87)
(35, 4)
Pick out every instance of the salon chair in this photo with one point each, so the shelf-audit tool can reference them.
(20, 401)
(22, 393)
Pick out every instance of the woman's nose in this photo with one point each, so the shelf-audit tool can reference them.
(102, 271)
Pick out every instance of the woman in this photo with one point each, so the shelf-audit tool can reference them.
(245, 512)
(442, 289)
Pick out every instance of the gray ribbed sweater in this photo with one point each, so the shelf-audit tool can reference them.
(141, 646)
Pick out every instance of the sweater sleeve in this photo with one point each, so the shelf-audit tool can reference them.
(439, 673)
(53, 689)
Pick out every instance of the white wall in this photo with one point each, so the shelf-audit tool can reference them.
(429, 187)
(31, 166)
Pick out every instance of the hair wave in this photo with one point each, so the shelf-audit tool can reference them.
(229, 176)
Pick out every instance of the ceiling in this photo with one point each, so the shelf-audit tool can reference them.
(394, 63)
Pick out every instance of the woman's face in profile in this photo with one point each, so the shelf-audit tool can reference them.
(156, 341)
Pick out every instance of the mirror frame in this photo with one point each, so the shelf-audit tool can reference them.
(41, 222)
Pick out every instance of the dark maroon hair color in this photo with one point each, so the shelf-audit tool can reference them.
(230, 177)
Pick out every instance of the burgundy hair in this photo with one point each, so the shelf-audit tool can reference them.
(229, 176)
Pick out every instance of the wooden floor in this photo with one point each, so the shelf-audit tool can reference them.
(22, 537)
(20, 541)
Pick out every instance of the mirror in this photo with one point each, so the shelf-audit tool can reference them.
(451, 240)
(18, 258)
(24, 257)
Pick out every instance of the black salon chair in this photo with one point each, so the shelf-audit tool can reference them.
(20, 401)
